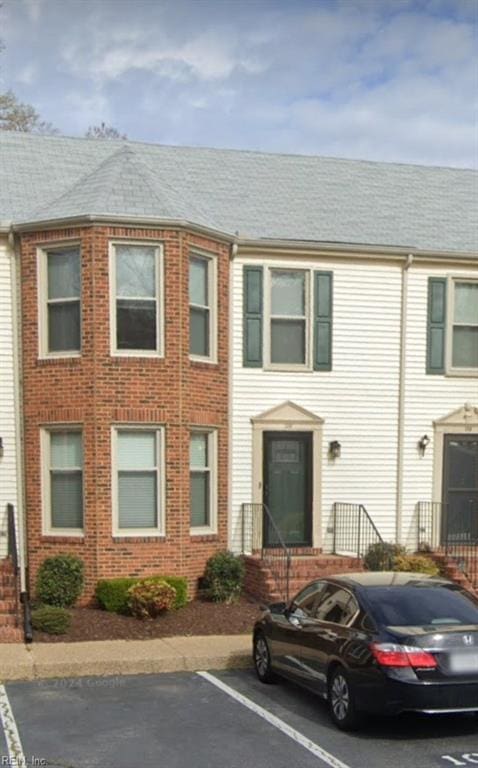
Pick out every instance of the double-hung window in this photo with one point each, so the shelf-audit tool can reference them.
(138, 478)
(202, 297)
(202, 474)
(62, 454)
(463, 329)
(136, 325)
(288, 322)
(60, 292)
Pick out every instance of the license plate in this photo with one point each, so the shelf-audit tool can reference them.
(464, 662)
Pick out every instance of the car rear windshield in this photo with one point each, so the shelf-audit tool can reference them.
(421, 606)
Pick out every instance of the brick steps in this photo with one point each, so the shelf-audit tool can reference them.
(450, 570)
(10, 632)
(305, 566)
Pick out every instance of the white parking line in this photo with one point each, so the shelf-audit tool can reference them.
(311, 746)
(14, 745)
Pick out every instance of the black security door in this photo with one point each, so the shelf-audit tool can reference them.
(287, 487)
(460, 489)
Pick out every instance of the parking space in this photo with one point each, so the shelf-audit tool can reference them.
(182, 719)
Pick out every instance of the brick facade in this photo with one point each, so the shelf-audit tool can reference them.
(97, 391)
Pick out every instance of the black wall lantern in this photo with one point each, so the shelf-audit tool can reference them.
(422, 444)
(335, 449)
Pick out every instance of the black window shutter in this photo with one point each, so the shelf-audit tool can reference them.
(436, 325)
(323, 300)
(252, 341)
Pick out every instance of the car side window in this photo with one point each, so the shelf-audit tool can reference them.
(337, 606)
(305, 602)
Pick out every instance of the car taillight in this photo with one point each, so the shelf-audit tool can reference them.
(392, 655)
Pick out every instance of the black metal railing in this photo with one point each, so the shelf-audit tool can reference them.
(353, 530)
(453, 533)
(12, 537)
(256, 518)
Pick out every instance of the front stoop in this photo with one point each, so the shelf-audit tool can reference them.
(450, 569)
(10, 631)
(307, 566)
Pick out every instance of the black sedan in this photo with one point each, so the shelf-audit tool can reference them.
(375, 642)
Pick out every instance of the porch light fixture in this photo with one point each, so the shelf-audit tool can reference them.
(335, 449)
(1, 447)
(422, 444)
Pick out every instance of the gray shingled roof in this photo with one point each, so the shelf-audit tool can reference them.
(259, 195)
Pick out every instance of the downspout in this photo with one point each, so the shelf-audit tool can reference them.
(230, 373)
(401, 397)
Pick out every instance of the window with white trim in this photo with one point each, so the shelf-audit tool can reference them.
(463, 332)
(60, 296)
(138, 481)
(202, 476)
(202, 295)
(288, 323)
(62, 452)
(136, 297)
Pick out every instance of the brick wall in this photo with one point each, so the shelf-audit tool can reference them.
(97, 391)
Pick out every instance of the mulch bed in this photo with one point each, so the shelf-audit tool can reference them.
(198, 617)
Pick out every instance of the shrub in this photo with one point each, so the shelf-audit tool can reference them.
(112, 594)
(224, 577)
(416, 564)
(51, 619)
(381, 556)
(150, 597)
(60, 580)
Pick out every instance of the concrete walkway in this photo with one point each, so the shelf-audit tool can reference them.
(123, 657)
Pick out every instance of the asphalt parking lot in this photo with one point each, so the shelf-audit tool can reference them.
(185, 720)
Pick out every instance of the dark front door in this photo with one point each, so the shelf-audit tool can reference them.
(460, 489)
(287, 487)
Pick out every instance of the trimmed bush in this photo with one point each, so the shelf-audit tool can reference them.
(224, 577)
(381, 556)
(150, 597)
(112, 594)
(60, 580)
(416, 564)
(51, 619)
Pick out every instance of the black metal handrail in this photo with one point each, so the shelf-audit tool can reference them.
(12, 537)
(276, 555)
(353, 530)
(453, 535)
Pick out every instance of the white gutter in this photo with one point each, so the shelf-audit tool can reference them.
(401, 397)
(18, 406)
(232, 255)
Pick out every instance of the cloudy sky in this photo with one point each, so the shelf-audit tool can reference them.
(378, 79)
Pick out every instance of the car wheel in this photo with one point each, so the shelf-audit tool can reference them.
(262, 659)
(342, 701)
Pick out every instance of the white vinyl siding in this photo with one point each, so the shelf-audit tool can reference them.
(62, 481)
(8, 463)
(358, 399)
(138, 481)
(136, 299)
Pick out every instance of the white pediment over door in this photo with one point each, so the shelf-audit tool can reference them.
(287, 412)
(465, 417)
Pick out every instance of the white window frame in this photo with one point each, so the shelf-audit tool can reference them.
(44, 301)
(159, 250)
(160, 529)
(211, 260)
(212, 444)
(45, 459)
(450, 312)
(307, 365)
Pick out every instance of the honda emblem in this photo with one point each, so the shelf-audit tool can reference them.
(468, 639)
